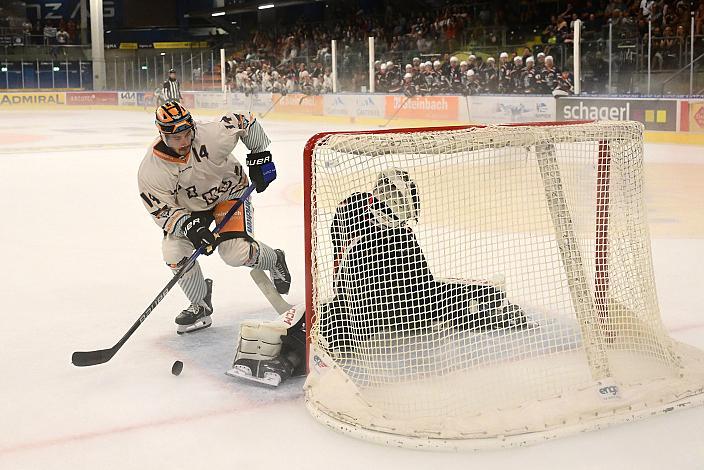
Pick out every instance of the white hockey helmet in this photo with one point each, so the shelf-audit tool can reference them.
(491, 59)
(408, 75)
(541, 54)
(503, 55)
(530, 60)
(397, 200)
(409, 66)
(472, 57)
(548, 58)
(436, 63)
(390, 63)
(454, 59)
(517, 60)
(470, 73)
(463, 64)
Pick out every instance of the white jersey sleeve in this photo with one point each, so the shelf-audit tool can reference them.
(249, 131)
(156, 180)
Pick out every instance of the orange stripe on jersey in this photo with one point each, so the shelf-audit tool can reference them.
(167, 157)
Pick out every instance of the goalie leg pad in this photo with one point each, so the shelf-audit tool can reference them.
(259, 354)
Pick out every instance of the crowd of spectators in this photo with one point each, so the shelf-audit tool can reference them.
(415, 49)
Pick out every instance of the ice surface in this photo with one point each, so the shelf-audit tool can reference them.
(82, 260)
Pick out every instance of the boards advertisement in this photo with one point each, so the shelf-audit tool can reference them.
(88, 98)
(442, 108)
(8, 100)
(655, 114)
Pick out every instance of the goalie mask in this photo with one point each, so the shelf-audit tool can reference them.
(398, 200)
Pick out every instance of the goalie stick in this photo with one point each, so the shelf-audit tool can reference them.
(267, 287)
(100, 356)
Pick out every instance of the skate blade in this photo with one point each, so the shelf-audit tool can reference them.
(270, 379)
(199, 325)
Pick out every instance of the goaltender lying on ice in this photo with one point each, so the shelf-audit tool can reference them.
(382, 282)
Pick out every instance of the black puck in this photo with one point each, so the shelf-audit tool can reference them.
(177, 368)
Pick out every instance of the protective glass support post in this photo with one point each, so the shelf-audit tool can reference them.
(69, 86)
(182, 69)
(115, 73)
(190, 64)
(139, 76)
(80, 74)
(650, 45)
(691, 54)
(223, 78)
(577, 35)
(124, 74)
(333, 48)
(202, 84)
(22, 70)
(156, 77)
(131, 75)
(371, 65)
(212, 68)
(39, 76)
(611, 35)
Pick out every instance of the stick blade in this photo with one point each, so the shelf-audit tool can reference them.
(91, 358)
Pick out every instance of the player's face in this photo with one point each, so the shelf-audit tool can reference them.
(180, 142)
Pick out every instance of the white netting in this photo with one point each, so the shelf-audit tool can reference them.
(485, 283)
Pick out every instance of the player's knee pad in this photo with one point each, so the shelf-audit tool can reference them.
(175, 249)
(237, 252)
(261, 340)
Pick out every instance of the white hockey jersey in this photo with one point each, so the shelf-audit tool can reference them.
(172, 186)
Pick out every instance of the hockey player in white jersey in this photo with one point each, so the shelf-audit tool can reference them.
(188, 179)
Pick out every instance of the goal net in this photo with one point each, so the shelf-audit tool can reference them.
(485, 286)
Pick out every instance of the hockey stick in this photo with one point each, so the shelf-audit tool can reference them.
(397, 111)
(272, 106)
(91, 358)
(267, 287)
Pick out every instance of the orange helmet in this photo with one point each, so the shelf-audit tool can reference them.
(172, 117)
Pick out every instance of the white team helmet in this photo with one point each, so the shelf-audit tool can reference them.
(383, 67)
(454, 59)
(548, 58)
(541, 54)
(408, 75)
(463, 63)
(503, 55)
(491, 59)
(530, 60)
(409, 67)
(470, 73)
(416, 60)
(304, 74)
(390, 63)
(517, 60)
(436, 63)
(472, 57)
(397, 200)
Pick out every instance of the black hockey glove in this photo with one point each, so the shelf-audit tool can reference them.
(197, 231)
(261, 169)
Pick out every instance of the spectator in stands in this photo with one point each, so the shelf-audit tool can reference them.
(49, 34)
(62, 37)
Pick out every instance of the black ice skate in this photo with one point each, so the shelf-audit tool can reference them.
(280, 274)
(196, 317)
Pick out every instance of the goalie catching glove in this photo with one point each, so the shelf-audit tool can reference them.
(269, 352)
(261, 169)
